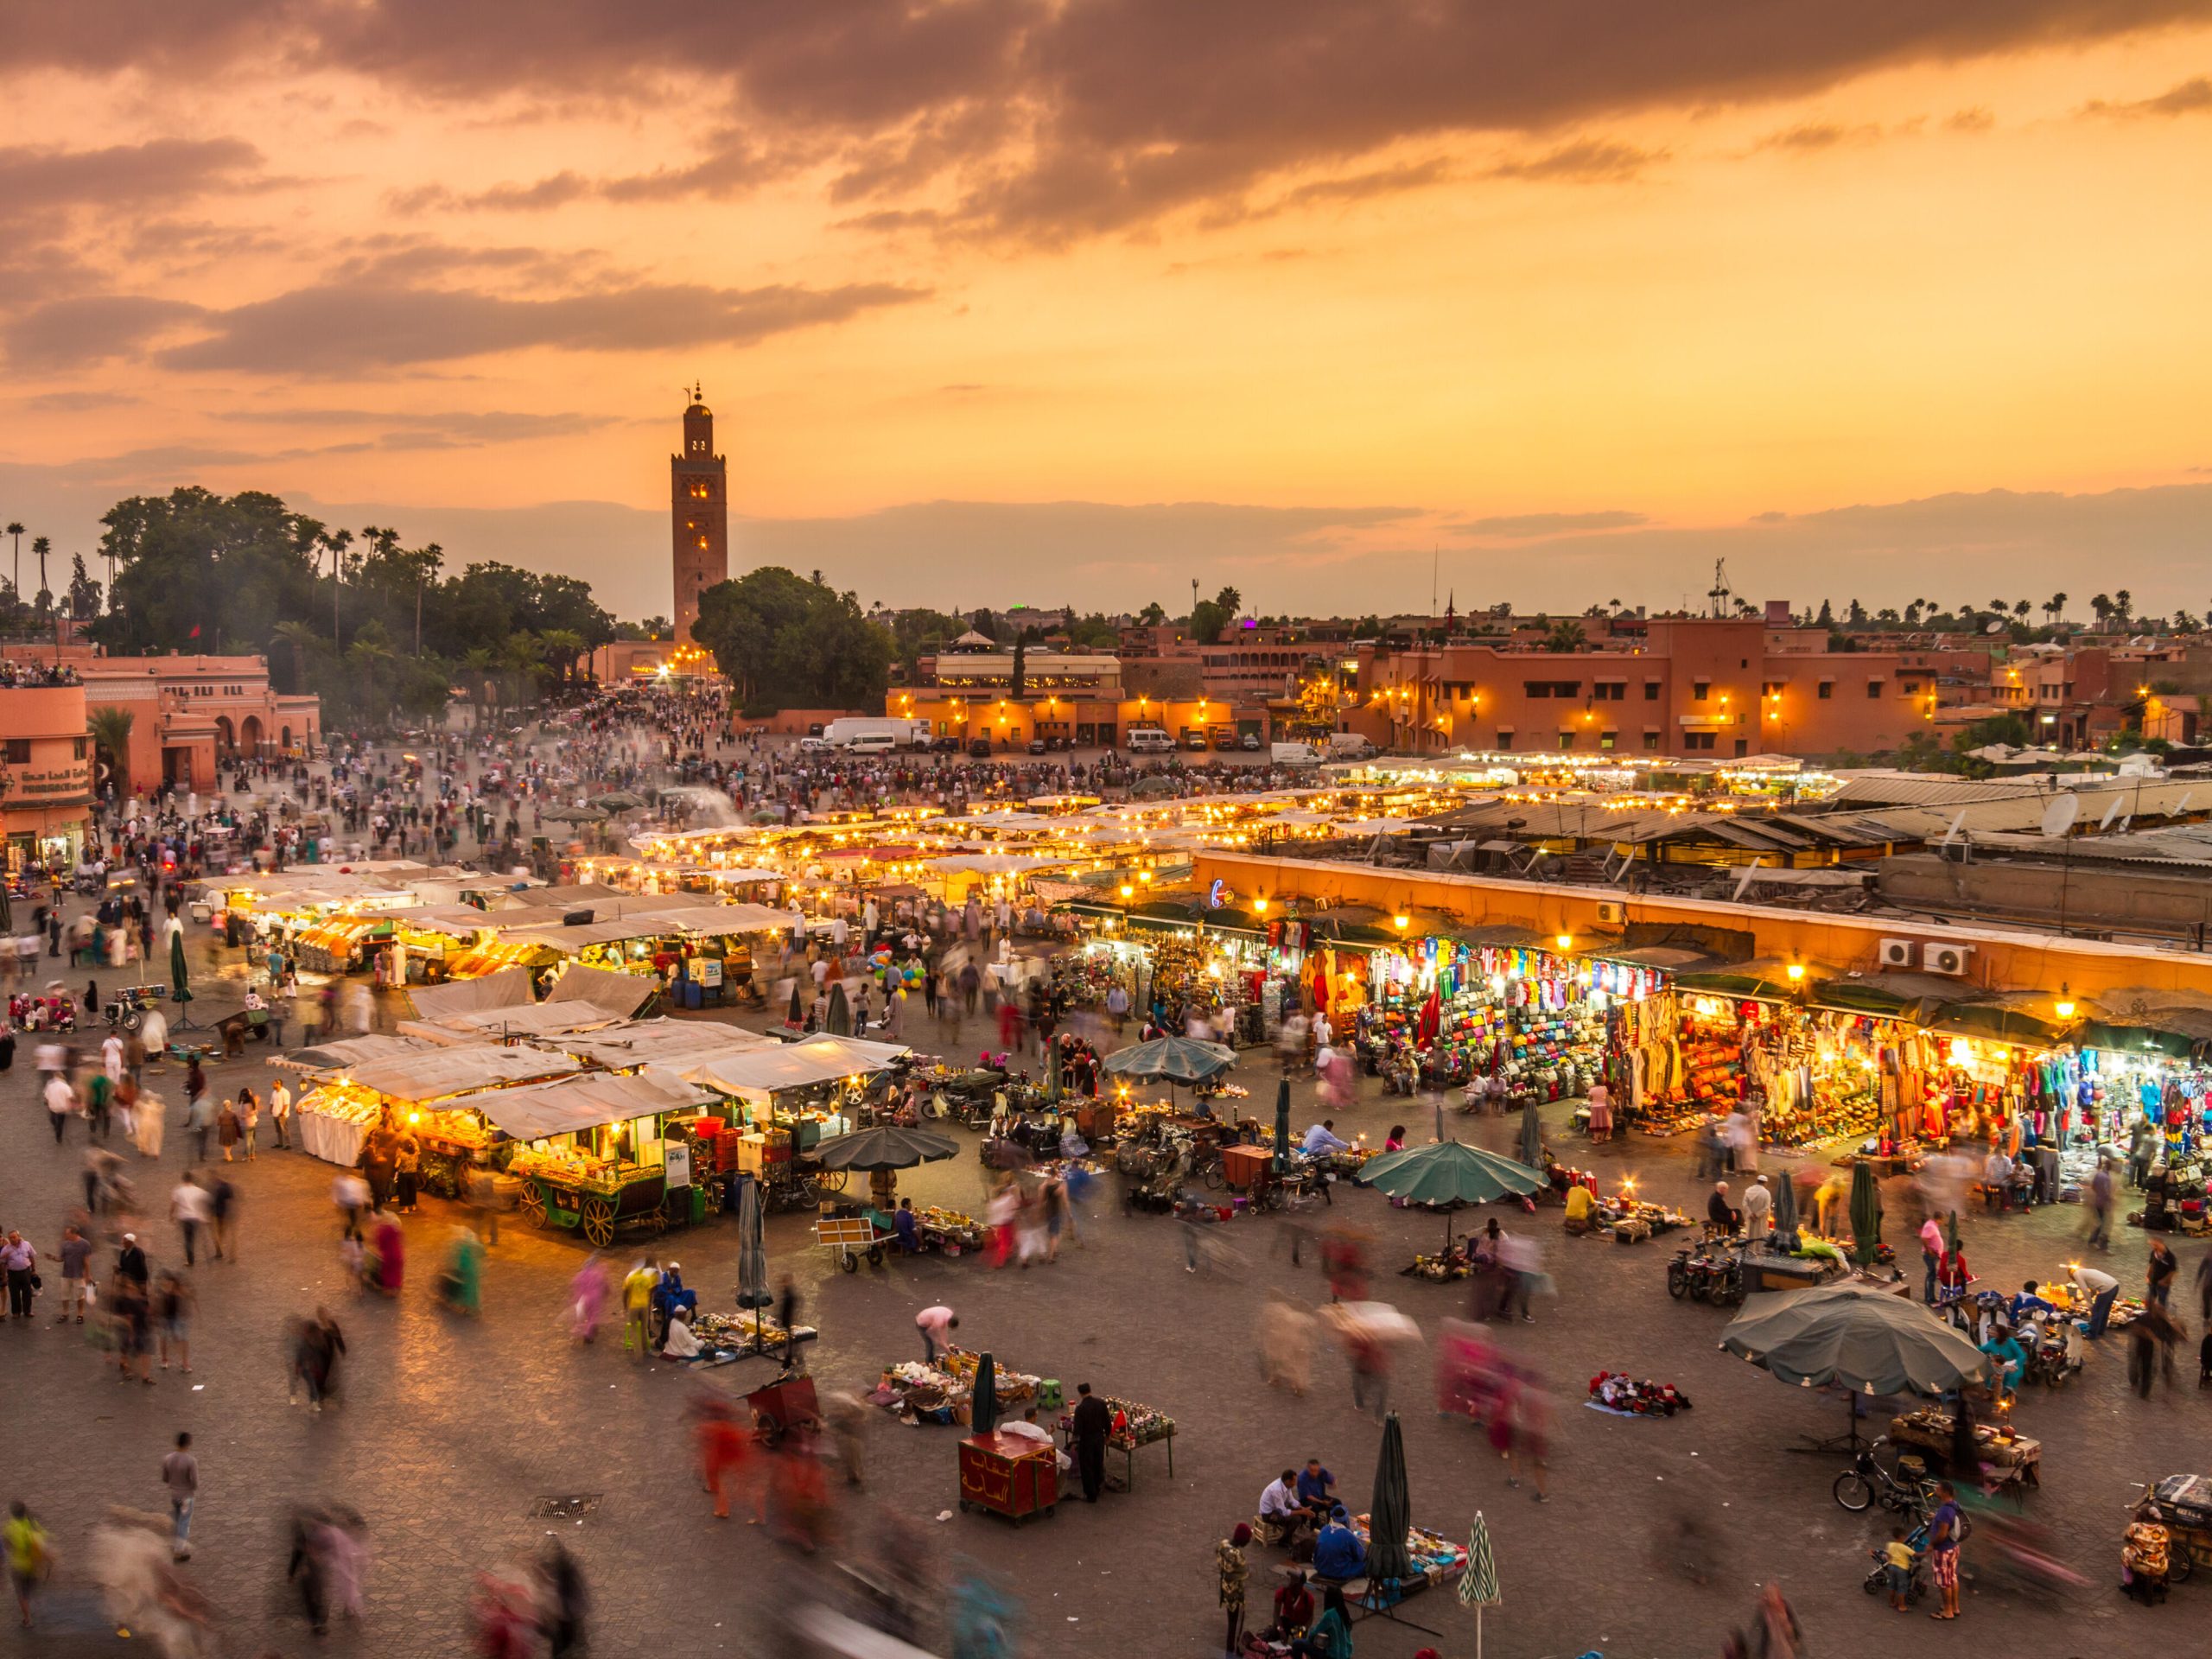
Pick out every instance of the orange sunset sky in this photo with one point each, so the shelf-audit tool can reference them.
(999, 301)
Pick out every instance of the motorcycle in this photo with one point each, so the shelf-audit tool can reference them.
(127, 1011)
(1909, 1491)
(1705, 1274)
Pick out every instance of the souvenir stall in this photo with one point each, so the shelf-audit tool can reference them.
(915, 1392)
(1130, 1427)
(787, 1095)
(1990, 1068)
(338, 945)
(1642, 1065)
(1489, 1002)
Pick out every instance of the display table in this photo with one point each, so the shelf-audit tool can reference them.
(1143, 1427)
(1010, 1475)
(1765, 1270)
(331, 1139)
(2017, 1461)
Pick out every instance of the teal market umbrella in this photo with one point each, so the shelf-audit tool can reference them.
(1282, 1125)
(1856, 1336)
(1392, 1511)
(838, 1021)
(983, 1411)
(1532, 1137)
(1865, 1213)
(1449, 1173)
(1478, 1586)
(1177, 1059)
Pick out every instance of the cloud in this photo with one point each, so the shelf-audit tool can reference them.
(423, 429)
(40, 183)
(1975, 119)
(1528, 525)
(76, 403)
(347, 327)
(1817, 136)
(2192, 96)
(1058, 121)
(1586, 161)
(66, 334)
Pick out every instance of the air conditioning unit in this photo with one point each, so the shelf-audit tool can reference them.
(1950, 959)
(1898, 953)
(1612, 913)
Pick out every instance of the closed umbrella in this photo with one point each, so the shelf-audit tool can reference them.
(1448, 1174)
(1865, 1213)
(1532, 1137)
(1053, 1070)
(1391, 1513)
(1478, 1586)
(984, 1410)
(180, 976)
(1785, 1211)
(752, 1252)
(838, 1021)
(1283, 1124)
(796, 1016)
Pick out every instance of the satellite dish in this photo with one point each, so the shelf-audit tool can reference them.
(1994, 627)
(2111, 812)
(2058, 818)
(2124, 824)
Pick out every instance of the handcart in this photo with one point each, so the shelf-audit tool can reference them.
(852, 1237)
(2182, 1505)
(787, 1403)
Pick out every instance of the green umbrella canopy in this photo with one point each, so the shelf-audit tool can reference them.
(885, 1147)
(1392, 1511)
(1177, 1059)
(983, 1411)
(1053, 1070)
(1862, 1338)
(179, 974)
(1449, 1173)
(1865, 1212)
(797, 1011)
(1479, 1584)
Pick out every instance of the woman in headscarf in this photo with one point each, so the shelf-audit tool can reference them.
(390, 1246)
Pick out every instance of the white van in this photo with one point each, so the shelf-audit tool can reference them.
(871, 743)
(1293, 754)
(1150, 740)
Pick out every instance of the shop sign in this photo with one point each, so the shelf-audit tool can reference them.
(72, 780)
(675, 1159)
(707, 970)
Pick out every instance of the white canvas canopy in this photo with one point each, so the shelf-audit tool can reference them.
(720, 920)
(618, 994)
(438, 1073)
(508, 988)
(330, 1058)
(534, 1020)
(673, 1043)
(757, 1073)
(585, 1102)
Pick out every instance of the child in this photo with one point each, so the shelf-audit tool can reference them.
(1900, 1556)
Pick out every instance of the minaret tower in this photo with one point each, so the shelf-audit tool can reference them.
(698, 513)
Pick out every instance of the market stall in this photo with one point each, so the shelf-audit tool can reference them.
(944, 1393)
(413, 1092)
(599, 1153)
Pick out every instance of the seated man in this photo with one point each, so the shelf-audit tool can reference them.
(1720, 1217)
(1029, 1429)
(1316, 1490)
(908, 1226)
(1996, 1178)
(2027, 1304)
(2011, 1359)
(680, 1342)
(1281, 1517)
(1338, 1552)
(1580, 1201)
(1294, 1608)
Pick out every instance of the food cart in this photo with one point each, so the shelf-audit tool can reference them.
(599, 1154)
(414, 1089)
(1010, 1475)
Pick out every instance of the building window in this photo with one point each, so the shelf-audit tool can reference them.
(1552, 688)
(1651, 690)
(19, 751)
(1609, 739)
(1692, 741)
(1827, 690)
(1505, 740)
(1567, 740)
(1701, 689)
(1742, 746)
(77, 748)
(1651, 742)
(1873, 689)
(1610, 691)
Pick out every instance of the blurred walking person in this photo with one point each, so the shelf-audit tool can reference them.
(565, 1601)
(29, 1553)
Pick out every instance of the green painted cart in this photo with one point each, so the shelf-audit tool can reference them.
(601, 1208)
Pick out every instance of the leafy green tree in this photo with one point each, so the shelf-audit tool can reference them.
(786, 642)
(83, 592)
(1209, 616)
(111, 729)
(1152, 615)
(1566, 636)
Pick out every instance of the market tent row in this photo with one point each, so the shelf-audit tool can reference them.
(622, 995)
(509, 987)
(530, 1019)
(336, 1118)
(545, 1109)
(676, 1044)
(328, 1059)
(755, 1074)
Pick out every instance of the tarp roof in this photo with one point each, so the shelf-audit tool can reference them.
(531, 1019)
(346, 1052)
(794, 1065)
(434, 1074)
(507, 989)
(585, 1102)
(620, 994)
(673, 1043)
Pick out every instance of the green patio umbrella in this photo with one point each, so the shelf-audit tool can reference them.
(796, 1016)
(1449, 1173)
(838, 1021)
(1177, 1059)
(1053, 1070)
(1392, 1511)
(1532, 1137)
(983, 1411)
(752, 1253)
(1282, 1125)
(1865, 1213)
(1478, 1586)
(885, 1146)
(1855, 1337)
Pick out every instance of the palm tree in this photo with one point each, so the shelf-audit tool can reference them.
(372, 659)
(1566, 636)
(2100, 607)
(2020, 609)
(562, 646)
(111, 734)
(15, 530)
(41, 546)
(484, 666)
(2055, 607)
(523, 658)
(299, 636)
(2123, 606)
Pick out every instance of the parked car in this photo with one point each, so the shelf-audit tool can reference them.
(1036, 746)
(1196, 742)
(815, 745)
(980, 747)
(814, 730)
(1249, 743)
(945, 745)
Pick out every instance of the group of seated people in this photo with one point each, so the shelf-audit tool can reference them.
(2006, 1181)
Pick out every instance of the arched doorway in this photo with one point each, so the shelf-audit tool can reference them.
(249, 735)
(285, 740)
(226, 739)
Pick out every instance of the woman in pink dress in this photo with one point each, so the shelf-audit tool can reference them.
(390, 1246)
(1601, 1112)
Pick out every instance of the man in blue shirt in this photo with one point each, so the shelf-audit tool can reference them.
(1322, 1138)
(908, 1226)
(2027, 1303)
(1338, 1552)
(1313, 1484)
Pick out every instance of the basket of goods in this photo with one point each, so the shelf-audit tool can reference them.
(1628, 1396)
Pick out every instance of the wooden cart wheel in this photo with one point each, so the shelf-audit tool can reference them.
(599, 1222)
(832, 1180)
(532, 1203)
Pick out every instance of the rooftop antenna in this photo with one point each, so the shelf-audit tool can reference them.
(1719, 592)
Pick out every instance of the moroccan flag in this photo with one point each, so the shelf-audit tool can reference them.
(194, 634)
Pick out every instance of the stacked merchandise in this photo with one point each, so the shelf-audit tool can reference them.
(1623, 1395)
(1086, 977)
(944, 1393)
(950, 1231)
(1134, 1425)
(1818, 1083)
(1711, 1075)
(1437, 1559)
(726, 1336)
